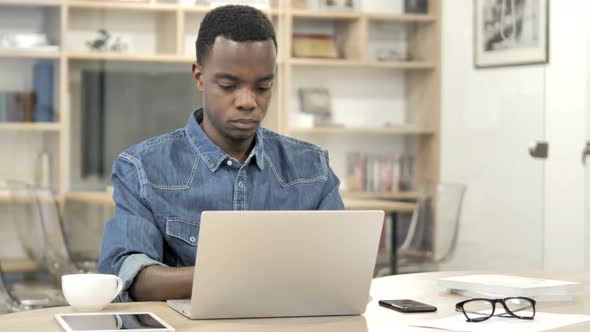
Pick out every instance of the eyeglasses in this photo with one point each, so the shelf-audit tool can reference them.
(478, 310)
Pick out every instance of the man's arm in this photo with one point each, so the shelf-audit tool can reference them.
(161, 283)
(133, 244)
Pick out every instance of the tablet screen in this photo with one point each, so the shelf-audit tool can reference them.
(113, 322)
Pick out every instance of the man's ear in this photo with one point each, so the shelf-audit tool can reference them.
(198, 76)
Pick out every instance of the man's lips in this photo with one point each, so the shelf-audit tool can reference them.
(245, 123)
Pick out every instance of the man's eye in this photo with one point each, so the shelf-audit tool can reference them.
(227, 87)
(264, 87)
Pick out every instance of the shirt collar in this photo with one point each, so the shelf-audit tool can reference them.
(211, 154)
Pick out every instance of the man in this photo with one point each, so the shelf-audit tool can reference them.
(221, 160)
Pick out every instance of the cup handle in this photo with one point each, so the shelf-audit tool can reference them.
(119, 288)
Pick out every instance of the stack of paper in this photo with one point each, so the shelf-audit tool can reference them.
(499, 286)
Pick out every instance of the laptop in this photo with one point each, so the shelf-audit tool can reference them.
(253, 264)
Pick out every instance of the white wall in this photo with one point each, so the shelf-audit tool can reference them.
(520, 213)
(566, 132)
(489, 117)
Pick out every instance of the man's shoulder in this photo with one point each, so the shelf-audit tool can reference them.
(294, 161)
(155, 146)
(272, 138)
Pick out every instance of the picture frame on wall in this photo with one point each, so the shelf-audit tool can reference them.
(510, 32)
(337, 4)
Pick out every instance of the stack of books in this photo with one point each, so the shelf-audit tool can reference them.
(378, 173)
(31, 106)
(16, 106)
(501, 286)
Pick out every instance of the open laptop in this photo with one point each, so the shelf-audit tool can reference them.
(283, 263)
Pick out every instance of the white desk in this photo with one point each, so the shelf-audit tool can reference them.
(421, 287)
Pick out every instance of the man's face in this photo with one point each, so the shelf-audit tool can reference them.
(236, 81)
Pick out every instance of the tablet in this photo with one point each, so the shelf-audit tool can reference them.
(107, 322)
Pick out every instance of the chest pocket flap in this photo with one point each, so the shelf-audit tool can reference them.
(183, 229)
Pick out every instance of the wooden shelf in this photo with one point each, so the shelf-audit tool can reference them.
(90, 197)
(104, 5)
(402, 195)
(332, 15)
(400, 65)
(410, 18)
(398, 130)
(31, 3)
(374, 204)
(30, 126)
(195, 8)
(129, 57)
(4, 53)
(322, 62)
(18, 265)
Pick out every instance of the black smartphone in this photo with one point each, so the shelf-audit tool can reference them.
(407, 305)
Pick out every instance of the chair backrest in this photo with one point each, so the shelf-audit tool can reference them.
(8, 300)
(39, 227)
(58, 259)
(24, 217)
(438, 221)
(447, 214)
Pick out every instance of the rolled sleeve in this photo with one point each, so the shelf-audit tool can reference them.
(131, 239)
(130, 268)
(331, 199)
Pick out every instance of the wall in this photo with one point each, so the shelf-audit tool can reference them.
(520, 213)
(566, 131)
(489, 117)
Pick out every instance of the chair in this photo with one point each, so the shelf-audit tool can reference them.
(417, 253)
(43, 289)
(41, 233)
(59, 259)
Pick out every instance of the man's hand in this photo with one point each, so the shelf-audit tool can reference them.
(160, 283)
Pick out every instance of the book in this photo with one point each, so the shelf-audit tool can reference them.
(506, 286)
(378, 172)
(43, 85)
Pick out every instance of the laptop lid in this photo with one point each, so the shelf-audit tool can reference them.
(284, 263)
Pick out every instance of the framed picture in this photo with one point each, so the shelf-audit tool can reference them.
(510, 32)
(337, 4)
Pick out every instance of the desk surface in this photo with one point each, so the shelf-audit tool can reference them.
(421, 287)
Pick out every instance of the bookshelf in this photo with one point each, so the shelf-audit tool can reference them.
(168, 31)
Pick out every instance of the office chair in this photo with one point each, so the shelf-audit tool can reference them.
(436, 216)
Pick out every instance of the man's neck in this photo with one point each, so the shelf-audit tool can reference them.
(238, 149)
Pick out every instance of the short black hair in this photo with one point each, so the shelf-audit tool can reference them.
(235, 22)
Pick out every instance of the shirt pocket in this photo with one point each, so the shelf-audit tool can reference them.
(183, 229)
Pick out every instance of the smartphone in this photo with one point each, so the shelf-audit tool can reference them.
(407, 305)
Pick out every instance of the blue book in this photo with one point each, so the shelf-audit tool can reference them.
(43, 84)
(2, 107)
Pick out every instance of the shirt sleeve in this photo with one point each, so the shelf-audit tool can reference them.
(131, 240)
(331, 199)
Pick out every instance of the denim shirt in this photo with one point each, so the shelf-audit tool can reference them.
(162, 185)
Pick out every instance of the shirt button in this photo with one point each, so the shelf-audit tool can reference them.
(192, 239)
(240, 184)
(229, 163)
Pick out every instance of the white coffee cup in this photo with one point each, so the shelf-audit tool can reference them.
(90, 292)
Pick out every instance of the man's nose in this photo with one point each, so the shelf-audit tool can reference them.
(246, 99)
